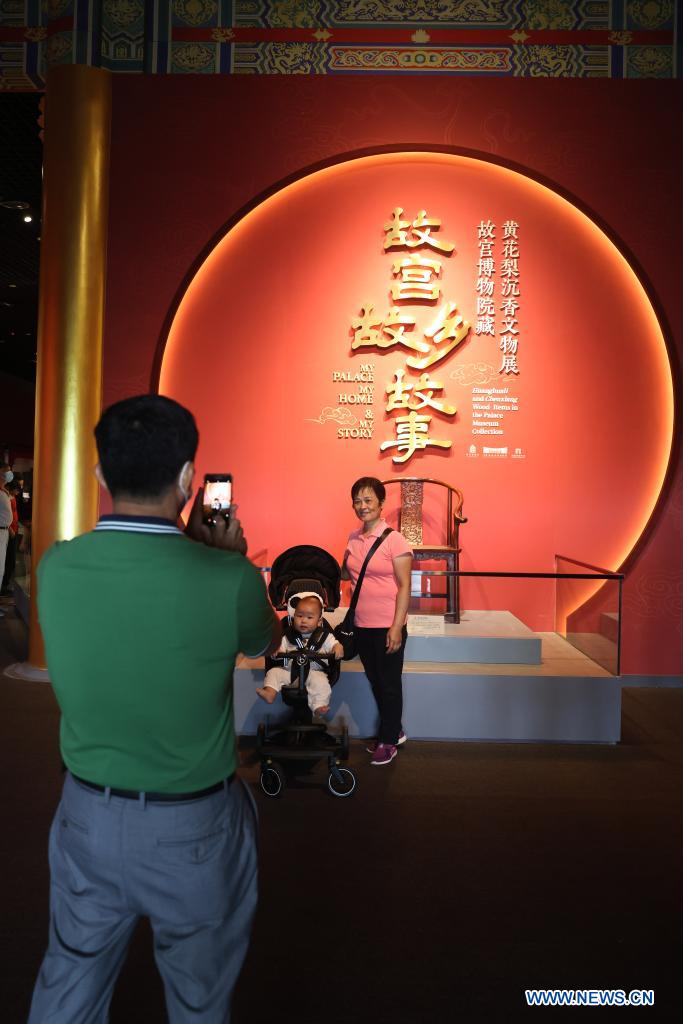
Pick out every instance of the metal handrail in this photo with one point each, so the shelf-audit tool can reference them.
(598, 575)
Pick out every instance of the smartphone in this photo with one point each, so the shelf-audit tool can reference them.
(217, 497)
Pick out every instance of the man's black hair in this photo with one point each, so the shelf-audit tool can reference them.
(372, 484)
(143, 443)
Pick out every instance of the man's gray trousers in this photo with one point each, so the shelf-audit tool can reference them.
(190, 867)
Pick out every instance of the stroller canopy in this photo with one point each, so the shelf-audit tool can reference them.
(299, 567)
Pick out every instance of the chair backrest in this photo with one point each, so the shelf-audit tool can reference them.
(410, 516)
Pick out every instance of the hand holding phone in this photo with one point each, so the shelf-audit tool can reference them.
(217, 498)
(225, 532)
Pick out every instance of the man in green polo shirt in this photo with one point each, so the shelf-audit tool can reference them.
(142, 625)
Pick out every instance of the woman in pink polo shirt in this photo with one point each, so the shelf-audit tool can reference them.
(380, 617)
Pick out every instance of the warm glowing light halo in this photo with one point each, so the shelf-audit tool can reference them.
(650, 489)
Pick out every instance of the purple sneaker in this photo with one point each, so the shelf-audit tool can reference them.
(384, 753)
(372, 745)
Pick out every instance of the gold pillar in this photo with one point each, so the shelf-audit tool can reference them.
(71, 312)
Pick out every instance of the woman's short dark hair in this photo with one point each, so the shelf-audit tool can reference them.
(143, 443)
(373, 484)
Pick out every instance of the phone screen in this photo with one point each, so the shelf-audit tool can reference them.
(217, 496)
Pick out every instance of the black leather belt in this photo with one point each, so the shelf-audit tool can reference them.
(156, 798)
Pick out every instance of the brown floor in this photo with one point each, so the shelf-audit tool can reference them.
(454, 879)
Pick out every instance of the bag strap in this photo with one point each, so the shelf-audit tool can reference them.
(361, 574)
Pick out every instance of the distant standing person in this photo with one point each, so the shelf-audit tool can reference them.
(6, 516)
(142, 626)
(24, 502)
(380, 616)
(13, 490)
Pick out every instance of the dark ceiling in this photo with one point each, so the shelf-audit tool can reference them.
(21, 155)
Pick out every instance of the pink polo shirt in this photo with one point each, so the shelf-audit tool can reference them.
(377, 601)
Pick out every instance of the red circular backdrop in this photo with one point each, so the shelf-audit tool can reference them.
(585, 425)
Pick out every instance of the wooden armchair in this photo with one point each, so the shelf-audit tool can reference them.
(410, 524)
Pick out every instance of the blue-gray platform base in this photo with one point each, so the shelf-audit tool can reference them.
(544, 691)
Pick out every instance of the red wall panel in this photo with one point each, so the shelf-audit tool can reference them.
(189, 153)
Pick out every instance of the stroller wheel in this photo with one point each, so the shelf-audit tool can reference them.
(341, 782)
(272, 779)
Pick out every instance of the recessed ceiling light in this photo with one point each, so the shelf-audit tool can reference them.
(28, 218)
(15, 204)
(12, 286)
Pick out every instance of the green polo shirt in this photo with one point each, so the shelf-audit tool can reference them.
(142, 627)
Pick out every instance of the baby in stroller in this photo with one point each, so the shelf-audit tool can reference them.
(307, 628)
(297, 744)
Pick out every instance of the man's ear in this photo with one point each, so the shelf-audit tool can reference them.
(100, 477)
(186, 478)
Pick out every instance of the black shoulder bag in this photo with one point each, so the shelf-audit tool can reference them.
(344, 631)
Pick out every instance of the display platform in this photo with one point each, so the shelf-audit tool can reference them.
(558, 695)
(565, 697)
(481, 637)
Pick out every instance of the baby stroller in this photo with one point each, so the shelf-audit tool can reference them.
(302, 742)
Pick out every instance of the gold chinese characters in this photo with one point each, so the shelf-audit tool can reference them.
(416, 281)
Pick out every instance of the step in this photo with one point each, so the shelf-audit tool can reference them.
(489, 637)
(565, 699)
